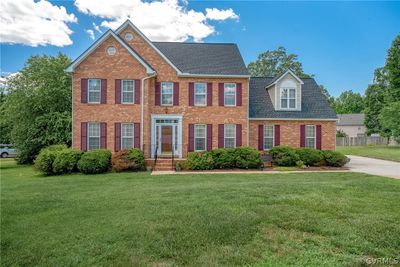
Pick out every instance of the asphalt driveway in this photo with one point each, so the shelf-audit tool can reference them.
(374, 166)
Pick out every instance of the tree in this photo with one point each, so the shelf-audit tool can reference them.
(390, 121)
(274, 62)
(38, 105)
(392, 68)
(331, 99)
(349, 102)
(374, 102)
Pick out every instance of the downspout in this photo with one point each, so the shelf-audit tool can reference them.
(142, 110)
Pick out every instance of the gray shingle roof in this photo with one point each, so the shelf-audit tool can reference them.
(204, 58)
(314, 104)
(351, 119)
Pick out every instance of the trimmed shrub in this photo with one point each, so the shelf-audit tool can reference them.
(310, 156)
(66, 161)
(247, 158)
(44, 160)
(284, 156)
(128, 160)
(200, 161)
(224, 158)
(95, 161)
(334, 158)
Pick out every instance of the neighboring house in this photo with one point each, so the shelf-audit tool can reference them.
(352, 124)
(166, 97)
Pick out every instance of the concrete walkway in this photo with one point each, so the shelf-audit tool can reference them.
(374, 166)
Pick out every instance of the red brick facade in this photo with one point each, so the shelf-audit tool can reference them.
(123, 65)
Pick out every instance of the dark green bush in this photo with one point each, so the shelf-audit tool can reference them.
(66, 161)
(310, 156)
(224, 158)
(247, 158)
(284, 156)
(334, 158)
(128, 160)
(95, 161)
(200, 161)
(44, 160)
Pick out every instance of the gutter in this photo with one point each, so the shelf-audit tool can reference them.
(142, 109)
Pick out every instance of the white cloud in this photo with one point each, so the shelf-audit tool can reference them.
(90, 33)
(34, 23)
(97, 27)
(218, 14)
(165, 20)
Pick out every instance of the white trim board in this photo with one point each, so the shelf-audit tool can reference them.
(283, 75)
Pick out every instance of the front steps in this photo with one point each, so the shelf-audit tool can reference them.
(164, 164)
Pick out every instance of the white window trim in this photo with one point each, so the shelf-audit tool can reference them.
(88, 92)
(315, 136)
(273, 136)
(205, 94)
(234, 146)
(288, 98)
(89, 136)
(133, 133)
(122, 92)
(205, 138)
(234, 105)
(161, 94)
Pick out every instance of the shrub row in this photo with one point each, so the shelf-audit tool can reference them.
(225, 158)
(288, 156)
(59, 159)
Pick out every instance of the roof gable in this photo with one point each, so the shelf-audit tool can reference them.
(98, 42)
(281, 76)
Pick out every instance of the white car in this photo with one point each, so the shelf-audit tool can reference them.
(6, 151)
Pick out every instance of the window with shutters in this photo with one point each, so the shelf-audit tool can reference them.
(288, 98)
(230, 94)
(310, 136)
(127, 135)
(200, 137)
(127, 91)
(229, 135)
(200, 94)
(268, 137)
(167, 93)
(93, 135)
(94, 91)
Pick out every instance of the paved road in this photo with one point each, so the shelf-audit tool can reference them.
(374, 166)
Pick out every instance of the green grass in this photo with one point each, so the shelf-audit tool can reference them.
(134, 219)
(378, 152)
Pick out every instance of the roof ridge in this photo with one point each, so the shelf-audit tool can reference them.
(193, 43)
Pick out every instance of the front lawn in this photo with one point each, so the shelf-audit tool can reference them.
(378, 152)
(134, 219)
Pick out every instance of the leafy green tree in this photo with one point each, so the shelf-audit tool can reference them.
(274, 62)
(392, 68)
(38, 105)
(330, 98)
(349, 102)
(374, 102)
(390, 120)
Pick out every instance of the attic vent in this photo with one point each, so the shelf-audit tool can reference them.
(128, 36)
(111, 50)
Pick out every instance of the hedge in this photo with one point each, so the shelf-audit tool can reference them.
(66, 161)
(128, 160)
(45, 158)
(310, 156)
(95, 161)
(284, 156)
(200, 161)
(334, 158)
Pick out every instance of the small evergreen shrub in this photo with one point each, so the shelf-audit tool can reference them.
(284, 156)
(128, 160)
(310, 156)
(95, 161)
(224, 158)
(247, 158)
(334, 158)
(66, 161)
(44, 160)
(200, 161)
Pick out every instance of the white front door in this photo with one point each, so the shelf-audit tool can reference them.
(166, 138)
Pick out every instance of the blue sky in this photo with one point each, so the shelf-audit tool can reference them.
(341, 43)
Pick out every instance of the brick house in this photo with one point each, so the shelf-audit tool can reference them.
(168, 97)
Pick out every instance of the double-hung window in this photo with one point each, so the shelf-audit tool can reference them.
(126, 135)
(94, 90)
(310, 136)
(167, 93)
(199, 137)
(229, 94)
(268, 136)
(128, 91)
(200, 94)
(288, 98)
(93, 135)
(229, 135)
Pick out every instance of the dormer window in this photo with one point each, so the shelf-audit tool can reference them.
(288, 98)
